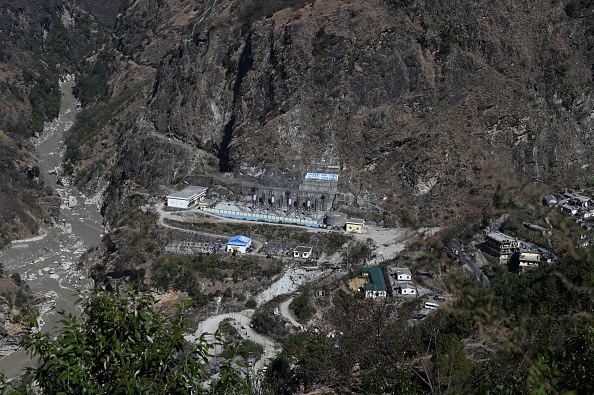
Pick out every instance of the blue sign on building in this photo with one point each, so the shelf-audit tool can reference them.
(321, 176)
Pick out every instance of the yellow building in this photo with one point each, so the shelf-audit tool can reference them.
(354, 225)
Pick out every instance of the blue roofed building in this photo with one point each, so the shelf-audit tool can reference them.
(239, 244)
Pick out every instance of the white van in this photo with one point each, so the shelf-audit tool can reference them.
(431, 305)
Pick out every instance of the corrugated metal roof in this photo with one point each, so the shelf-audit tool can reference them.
(239, 241)
(377, 279)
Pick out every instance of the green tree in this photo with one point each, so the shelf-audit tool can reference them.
(567, 370)
(451, 367)
(315, 358)
(123, 345)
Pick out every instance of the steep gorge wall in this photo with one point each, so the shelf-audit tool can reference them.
(39, 41)
(432, 103)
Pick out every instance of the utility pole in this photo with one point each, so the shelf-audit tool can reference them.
(347, 261)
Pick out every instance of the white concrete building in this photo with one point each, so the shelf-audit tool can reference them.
(187, 197)
(403, 274)
(407, 289)
(302, 252)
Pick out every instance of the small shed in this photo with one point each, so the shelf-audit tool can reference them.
(354, 225)
(407, 289)
(302, 252)
(187, 197)
(402, 274)
(239, 244)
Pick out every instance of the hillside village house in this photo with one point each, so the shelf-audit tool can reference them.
(575, 199)
(187, 197)
(302, 252)
(376, 287)
(407, 289)
(239, 244)
(501, 245)
(571, 210)
(528, 260)
(354, 225)
(402, 273)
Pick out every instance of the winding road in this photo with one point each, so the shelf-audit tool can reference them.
(241, 321)
(285, 312)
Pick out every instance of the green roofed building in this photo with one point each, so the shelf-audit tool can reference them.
(376, 287)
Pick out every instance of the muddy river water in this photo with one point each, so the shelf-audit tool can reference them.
(48, 262)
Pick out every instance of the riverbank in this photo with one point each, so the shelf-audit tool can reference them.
(48, 262)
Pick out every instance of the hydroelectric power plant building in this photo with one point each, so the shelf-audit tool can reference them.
(187, 197)
(303, 202)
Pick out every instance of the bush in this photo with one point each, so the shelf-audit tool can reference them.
(121, 345)
(302, 307)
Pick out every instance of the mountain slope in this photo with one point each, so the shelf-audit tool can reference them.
(39, 41)
(433, 104)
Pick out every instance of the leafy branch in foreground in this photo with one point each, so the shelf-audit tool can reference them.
(123, 345)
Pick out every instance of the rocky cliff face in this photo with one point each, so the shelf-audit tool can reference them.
(432, 103)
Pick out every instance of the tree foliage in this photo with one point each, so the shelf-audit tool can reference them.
(123, 345)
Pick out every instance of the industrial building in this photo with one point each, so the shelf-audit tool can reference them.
(286, 199)
(335, 220)
(354, 225)
(376, 286)
(239, 244)
(302, 252)
(501, 245)
(187, 197)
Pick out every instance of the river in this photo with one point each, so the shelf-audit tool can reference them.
(48, 262)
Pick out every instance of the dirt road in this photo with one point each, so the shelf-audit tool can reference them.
(241, 321)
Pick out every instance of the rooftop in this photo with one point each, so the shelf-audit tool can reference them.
(530, 257)
(302, 249)
(239, 240)
(401, 270)
(355, 221)
(188, 192)
(377, 279)
(501, 237)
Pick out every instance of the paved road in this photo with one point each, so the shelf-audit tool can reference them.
(174, 217)
(469, 265)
